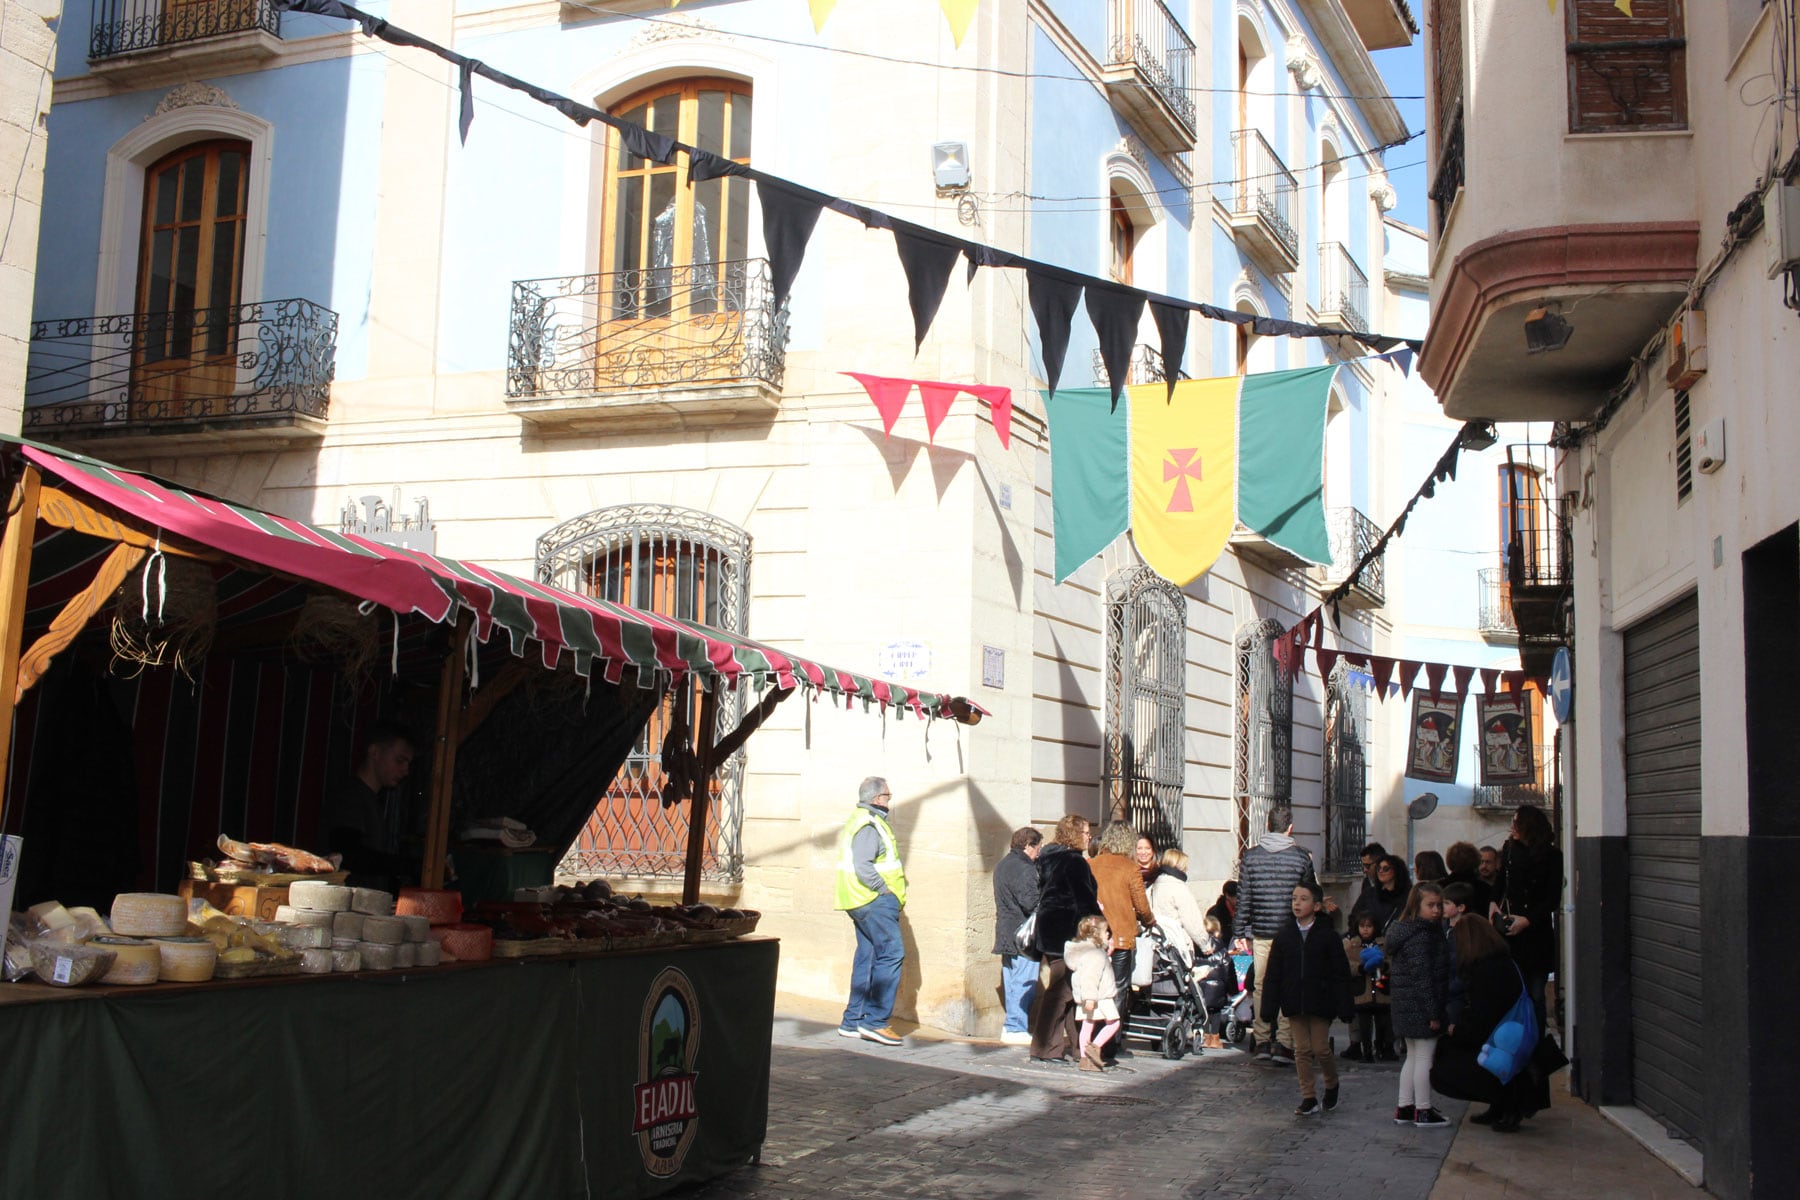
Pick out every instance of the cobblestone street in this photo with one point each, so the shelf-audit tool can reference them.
(963, 1119)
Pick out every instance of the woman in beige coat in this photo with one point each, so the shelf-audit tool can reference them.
(1180, 917)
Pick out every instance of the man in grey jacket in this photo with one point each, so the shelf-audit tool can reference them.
(1015, 898)
(1267, 876)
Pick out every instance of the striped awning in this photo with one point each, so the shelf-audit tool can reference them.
(594, 633)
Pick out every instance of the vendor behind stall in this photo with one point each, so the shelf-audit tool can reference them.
(362, 817)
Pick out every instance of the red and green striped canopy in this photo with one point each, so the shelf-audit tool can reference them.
(593, 632)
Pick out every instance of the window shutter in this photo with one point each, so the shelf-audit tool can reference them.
(1626, 72)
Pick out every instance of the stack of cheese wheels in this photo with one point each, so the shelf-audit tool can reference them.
(148, 915)
(134, 962)
(319, 913)
(439, 906)
(395, 942)
(372, 901)
(186, 959)
(465, 943)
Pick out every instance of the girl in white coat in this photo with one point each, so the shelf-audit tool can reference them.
(1089, 959)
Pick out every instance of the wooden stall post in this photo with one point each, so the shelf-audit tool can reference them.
(15, 577)
(443, 756)
(707, 759)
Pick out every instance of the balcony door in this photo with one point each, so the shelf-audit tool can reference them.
(190, 276)
(673, 264)
(1523, 522)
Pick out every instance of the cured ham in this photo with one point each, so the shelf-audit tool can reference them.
(276, 856)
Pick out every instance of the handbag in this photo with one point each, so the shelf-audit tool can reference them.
(1026, 937)
(1511, 1043)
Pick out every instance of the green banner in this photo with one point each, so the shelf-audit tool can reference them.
(1090, 481)
(1281, 459)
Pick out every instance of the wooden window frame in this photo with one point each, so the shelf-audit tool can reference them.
(1602, 44)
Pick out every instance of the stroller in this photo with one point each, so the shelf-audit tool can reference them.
(1171, 1012)
(1227, 993)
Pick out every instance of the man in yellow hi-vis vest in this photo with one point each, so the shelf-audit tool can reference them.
(871, 887)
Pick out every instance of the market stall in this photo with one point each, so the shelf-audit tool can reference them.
(181, 680)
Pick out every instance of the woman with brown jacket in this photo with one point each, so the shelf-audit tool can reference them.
(1122, 899)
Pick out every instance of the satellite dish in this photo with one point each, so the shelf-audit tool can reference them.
(1422, 806)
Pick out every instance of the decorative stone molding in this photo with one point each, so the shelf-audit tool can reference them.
(1133, 147)
(1246, 290)
(191, 95)
(673, 28)
(1381, 191)
(1302, 62)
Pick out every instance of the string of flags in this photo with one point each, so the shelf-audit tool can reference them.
(928, 256)
(889, 396)
(958, 12)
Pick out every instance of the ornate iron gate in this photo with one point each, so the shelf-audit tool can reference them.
(1346, 777)
(1143, 770)
(684, 563)
(1264, 761)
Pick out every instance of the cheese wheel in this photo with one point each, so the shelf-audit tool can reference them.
(346, 958)
(347, 925)
(316, 961)
(62, 965)
(134, 962)
(429, 953)
(50, 915)
(379, 956)
(186, 959)
(406, 954)
(438, 906)
(316, 894)
(372, 901)
(466, 943)
(148, 914)
(389, 931)
(303, 937)
(417, 927)
(345, 943)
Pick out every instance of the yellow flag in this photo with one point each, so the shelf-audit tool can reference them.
(1623, 6)
(820, 10)
(960, 13)
(1183, 474)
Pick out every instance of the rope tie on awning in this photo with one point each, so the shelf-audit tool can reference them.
(158, 564)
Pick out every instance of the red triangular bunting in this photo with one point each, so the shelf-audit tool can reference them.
(888, 395)
(1463, 676)
(1383, 670)
(1285, 649)
(1515, 681)
(999, 408)
(937, 398)
(1326, 659)
(1434, 675)
(1490, 679)
(1409, 671)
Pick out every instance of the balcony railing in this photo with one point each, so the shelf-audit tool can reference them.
(1343, 289)
(127, 26)
(266, 359)
(1513, 795)
(1144, 34)
(1537, 553)
(1146, 366)
(1495, 618)
(1266, 195)
(1352, 536)
(661, 327)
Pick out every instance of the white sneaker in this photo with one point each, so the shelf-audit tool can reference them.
(848, 1032)
(1015, 1037)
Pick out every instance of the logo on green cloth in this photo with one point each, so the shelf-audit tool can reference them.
(664, 1112)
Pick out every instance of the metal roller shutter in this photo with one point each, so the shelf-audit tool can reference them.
(1662, 820)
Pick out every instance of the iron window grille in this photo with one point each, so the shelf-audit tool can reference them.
(1146, 34)
(125, 26)
(1346, 784)
(1264, 758)
(683, 563)
(1144, 771)
(1684, 449)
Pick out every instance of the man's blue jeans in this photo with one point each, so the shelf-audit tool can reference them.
(875, 973)
(1019, 984)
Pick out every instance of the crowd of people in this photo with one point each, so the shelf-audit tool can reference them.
(1440, 964)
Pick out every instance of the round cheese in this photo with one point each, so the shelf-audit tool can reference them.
(303, 937)
(417, 928)
(325, 897)
(346, 958)
(316, 961)
(148, 914)
(389, 931)
(379, 956)
(406, 954)
(438, 906)
(134, 962)
(347, 925)
(429, 953)
(372, 901)
(62, 965)
(186, 959)
(466, 943)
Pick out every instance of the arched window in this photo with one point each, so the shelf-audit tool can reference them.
(1346, 775)
(1264, 759)
(1144, 766)
(1122, 240)
(1338, 459)
(1254, 353)
(190, 273)
(682, 563)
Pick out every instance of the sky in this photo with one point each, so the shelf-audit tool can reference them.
(1404, 71)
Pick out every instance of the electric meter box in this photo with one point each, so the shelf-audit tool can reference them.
(1781, 221)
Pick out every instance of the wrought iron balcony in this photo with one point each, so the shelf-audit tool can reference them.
(1512, 796)
(129, 26)
(266, 366)
(694, 339)
(1495, 618)
(1352, 536)
(1146, 366)
(1149, 72)
(1343, 289)
(1265, 203)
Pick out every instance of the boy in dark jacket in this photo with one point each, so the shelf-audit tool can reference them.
(1309, 983)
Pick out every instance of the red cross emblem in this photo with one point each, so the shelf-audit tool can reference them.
(1182, 467)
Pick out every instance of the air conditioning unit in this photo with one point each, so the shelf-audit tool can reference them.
(1687, 349)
